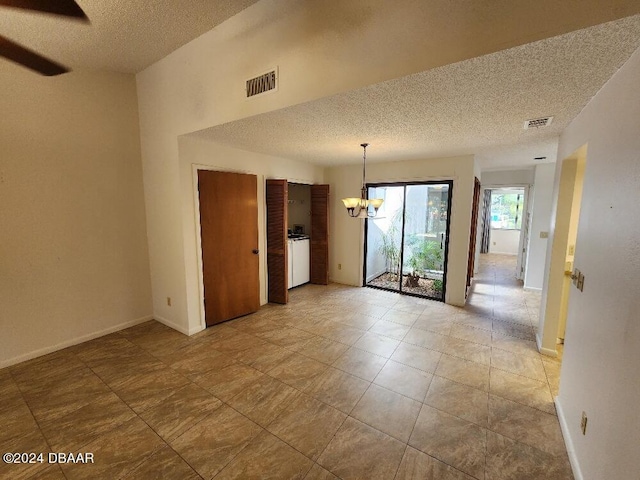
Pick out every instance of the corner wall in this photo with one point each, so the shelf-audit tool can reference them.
(73, 244)
(346, 234)
(602, 343)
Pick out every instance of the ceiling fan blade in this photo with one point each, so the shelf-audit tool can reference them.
(29, 58)
(66, 8)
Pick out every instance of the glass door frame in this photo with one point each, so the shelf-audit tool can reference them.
(404, 214)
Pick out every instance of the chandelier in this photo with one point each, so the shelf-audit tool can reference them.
(359, 207)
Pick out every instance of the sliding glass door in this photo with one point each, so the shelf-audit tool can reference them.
(406, 244)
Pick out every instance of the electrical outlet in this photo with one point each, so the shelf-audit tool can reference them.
(169, 301)
(572, 250)
(583, 423)
(544, 234)
(339, 266)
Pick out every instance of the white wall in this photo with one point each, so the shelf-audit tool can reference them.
(541, 198)
(346, 238)
(299, 207)
(320, 49)
(73, 245)
(199, 153)
(602, 344)
(504, 242)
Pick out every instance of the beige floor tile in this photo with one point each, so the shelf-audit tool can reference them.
(434, 323)
(323, 350)
(338, 389)
(514, 329)
(229, 381)
(401, 317)
(56, 400)
(377, 344)
(308, 425)
(360, 320)
(319, 473)
(471, 334)
(264, 400)
(510, 460)
(416, 465)
(358, 451)
(196, 358)
(552, 370)
(462, 371)
(473, 320)
(267, 457)
(417, 357)
(525, 365)
(521, 389)
(70, 432)
(375, 311)
(163, 463)
(298, 371)
(405, 380)
(180, 411)
(286, 336)
(426, 339)
(145, 391)
(468, 350)
(116, 453)
(387, 411)
(343, 334)
(263, 358)
(211, 444)
(16, 418)
(514, 344)
(360, 363)
(450, 439)
(460, 400)
(54, 472)
(528, 425)
(390, 329)
(32, 441)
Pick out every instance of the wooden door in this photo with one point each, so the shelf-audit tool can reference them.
(320, 234)
(474, 232)
(229, 233)
(277, 254)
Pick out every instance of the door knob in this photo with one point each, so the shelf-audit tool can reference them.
(255, 251)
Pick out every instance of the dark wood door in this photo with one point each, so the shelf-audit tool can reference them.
(229, 233)
(320, 234)
(277, 193)
(474, 230)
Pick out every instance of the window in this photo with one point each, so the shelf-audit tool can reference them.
(506, 209)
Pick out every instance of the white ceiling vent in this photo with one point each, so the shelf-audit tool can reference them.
(266, 82)
(537, 123)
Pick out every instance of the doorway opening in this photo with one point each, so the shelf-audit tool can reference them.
(406, 244)
(505, 224)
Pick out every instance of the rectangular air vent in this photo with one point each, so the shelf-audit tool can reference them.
(537, 123)
(264, 83)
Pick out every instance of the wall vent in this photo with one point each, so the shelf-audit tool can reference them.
(537, 123)
(264, 83)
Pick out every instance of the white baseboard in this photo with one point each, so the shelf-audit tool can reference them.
(568, 442)
(179, 328)
(545, 351)
(74, 341)
(533, 289)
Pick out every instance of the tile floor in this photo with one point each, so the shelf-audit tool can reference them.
(343, 382)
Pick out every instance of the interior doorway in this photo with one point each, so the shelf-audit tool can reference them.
(563, 249)
(505, 223)
(406, 244)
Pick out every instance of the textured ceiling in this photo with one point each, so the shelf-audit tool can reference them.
(123, 36)
(476, 106)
